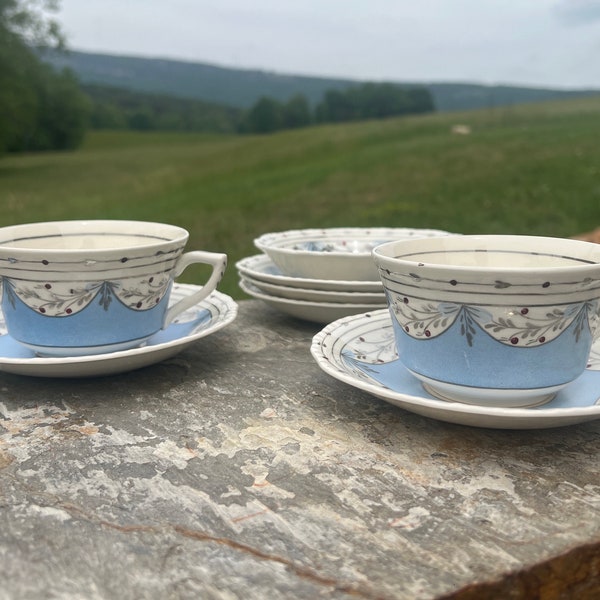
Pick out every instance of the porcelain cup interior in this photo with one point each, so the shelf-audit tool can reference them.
(495, 320)
(74, 288)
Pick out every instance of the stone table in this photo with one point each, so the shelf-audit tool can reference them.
(238, 469)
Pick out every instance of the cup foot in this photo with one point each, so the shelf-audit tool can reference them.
(502, 398)
(76, 351)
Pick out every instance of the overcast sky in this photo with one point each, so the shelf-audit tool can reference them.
(533, 42)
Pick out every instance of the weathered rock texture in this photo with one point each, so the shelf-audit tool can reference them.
(238, 469)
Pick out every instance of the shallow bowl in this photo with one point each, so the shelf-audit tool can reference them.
(496, 320)
(332, 254)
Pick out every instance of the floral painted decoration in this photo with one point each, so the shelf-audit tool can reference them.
(56, 299)
(523, 326)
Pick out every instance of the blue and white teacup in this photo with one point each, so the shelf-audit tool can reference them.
(73, 288)
(493, 320)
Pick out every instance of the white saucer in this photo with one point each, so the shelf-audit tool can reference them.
(308, 295)
(360, 351)
(206, 317)
(317, 312)
(261, 267)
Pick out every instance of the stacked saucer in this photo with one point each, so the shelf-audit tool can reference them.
(320, 275)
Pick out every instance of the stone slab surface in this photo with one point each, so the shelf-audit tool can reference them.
(239, 470)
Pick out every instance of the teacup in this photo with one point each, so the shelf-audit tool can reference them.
(74, 288)
(492, 320)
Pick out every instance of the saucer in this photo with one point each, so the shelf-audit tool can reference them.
(206, 317)
(317, 312)
(260, 266)
(360, 350)
(309, 295)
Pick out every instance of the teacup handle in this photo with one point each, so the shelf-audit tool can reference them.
(218, 262)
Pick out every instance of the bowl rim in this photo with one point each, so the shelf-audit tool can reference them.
(272, 241)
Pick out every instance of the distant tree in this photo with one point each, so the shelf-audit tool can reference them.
(142, 120)
(336, 106)
(420, 100)
(30, 22)
(266, 116)
(18, 98)
(63, 112)
(107, 115)
(377, 101)
(39, 109)
(296, 112)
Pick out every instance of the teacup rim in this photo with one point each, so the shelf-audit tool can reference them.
(178, 235)
(379, 256)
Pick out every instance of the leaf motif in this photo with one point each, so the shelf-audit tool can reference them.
(469, 339)
(9, 293)
(105, 296)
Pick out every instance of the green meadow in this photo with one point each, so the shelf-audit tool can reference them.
(529, 169)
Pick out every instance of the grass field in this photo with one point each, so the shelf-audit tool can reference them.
(526, 169)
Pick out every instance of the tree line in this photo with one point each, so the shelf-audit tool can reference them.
(115, 108)
(366, 101)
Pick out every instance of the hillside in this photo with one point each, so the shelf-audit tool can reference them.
(241, 88)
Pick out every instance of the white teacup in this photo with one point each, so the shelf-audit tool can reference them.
(497, 320)
(87, 287)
